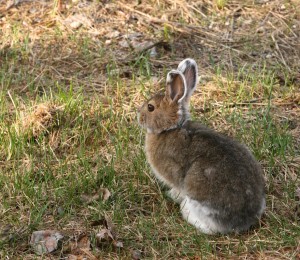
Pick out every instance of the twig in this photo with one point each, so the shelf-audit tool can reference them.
(278, 49)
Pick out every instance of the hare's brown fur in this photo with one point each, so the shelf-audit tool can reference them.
(211, 172)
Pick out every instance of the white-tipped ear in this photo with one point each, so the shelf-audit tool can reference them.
(189, 69)
(176, 86)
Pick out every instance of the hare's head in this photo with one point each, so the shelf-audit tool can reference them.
(170, 110)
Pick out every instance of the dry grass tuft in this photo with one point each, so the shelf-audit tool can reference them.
(42, 119)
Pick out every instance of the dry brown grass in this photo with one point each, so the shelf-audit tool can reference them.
(42, 119)
(240, 35)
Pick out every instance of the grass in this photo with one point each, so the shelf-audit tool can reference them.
(68, 127)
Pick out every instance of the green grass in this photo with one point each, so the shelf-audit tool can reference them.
(102, 146)
(93, 140)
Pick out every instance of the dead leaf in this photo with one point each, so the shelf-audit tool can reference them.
(104, 193)
(136, 254)
(107, 233)
(107, 223)
(79, 246)
(118, 244)
(104, 235)
(45, 241)
(89, 199)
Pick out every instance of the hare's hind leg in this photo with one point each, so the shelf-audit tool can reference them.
(199, 215)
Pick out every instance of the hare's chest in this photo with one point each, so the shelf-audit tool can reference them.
(162, 167)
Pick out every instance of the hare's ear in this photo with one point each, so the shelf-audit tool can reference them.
(176, 86)
(189, 69)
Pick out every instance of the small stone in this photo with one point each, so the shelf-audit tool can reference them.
(124, 43)
(113, 34)
(269, 56)
(136, 254)
(75, 24)
(60, 211)
(107, 42)
(45, 241)
(153, 52)
(282, 7)
(247, 22)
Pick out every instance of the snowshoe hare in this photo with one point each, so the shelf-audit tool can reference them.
(216, 180)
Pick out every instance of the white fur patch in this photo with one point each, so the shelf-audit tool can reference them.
(200, 216)
(262, 207)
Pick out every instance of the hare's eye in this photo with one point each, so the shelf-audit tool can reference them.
(150, 108)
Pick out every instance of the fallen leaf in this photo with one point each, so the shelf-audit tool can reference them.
(136, 254)
(104, 235)
(89, 199)
(118, 244)
(107, 234)
(104, 193)
(78, 246)
(45, 241)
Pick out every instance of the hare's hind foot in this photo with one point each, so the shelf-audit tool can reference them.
(200, 215)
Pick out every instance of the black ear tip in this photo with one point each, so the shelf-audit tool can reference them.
(188, 64)
(172, 74)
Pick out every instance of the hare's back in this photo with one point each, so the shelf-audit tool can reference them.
(225, 170)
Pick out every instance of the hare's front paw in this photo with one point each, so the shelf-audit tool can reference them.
(175, 195)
